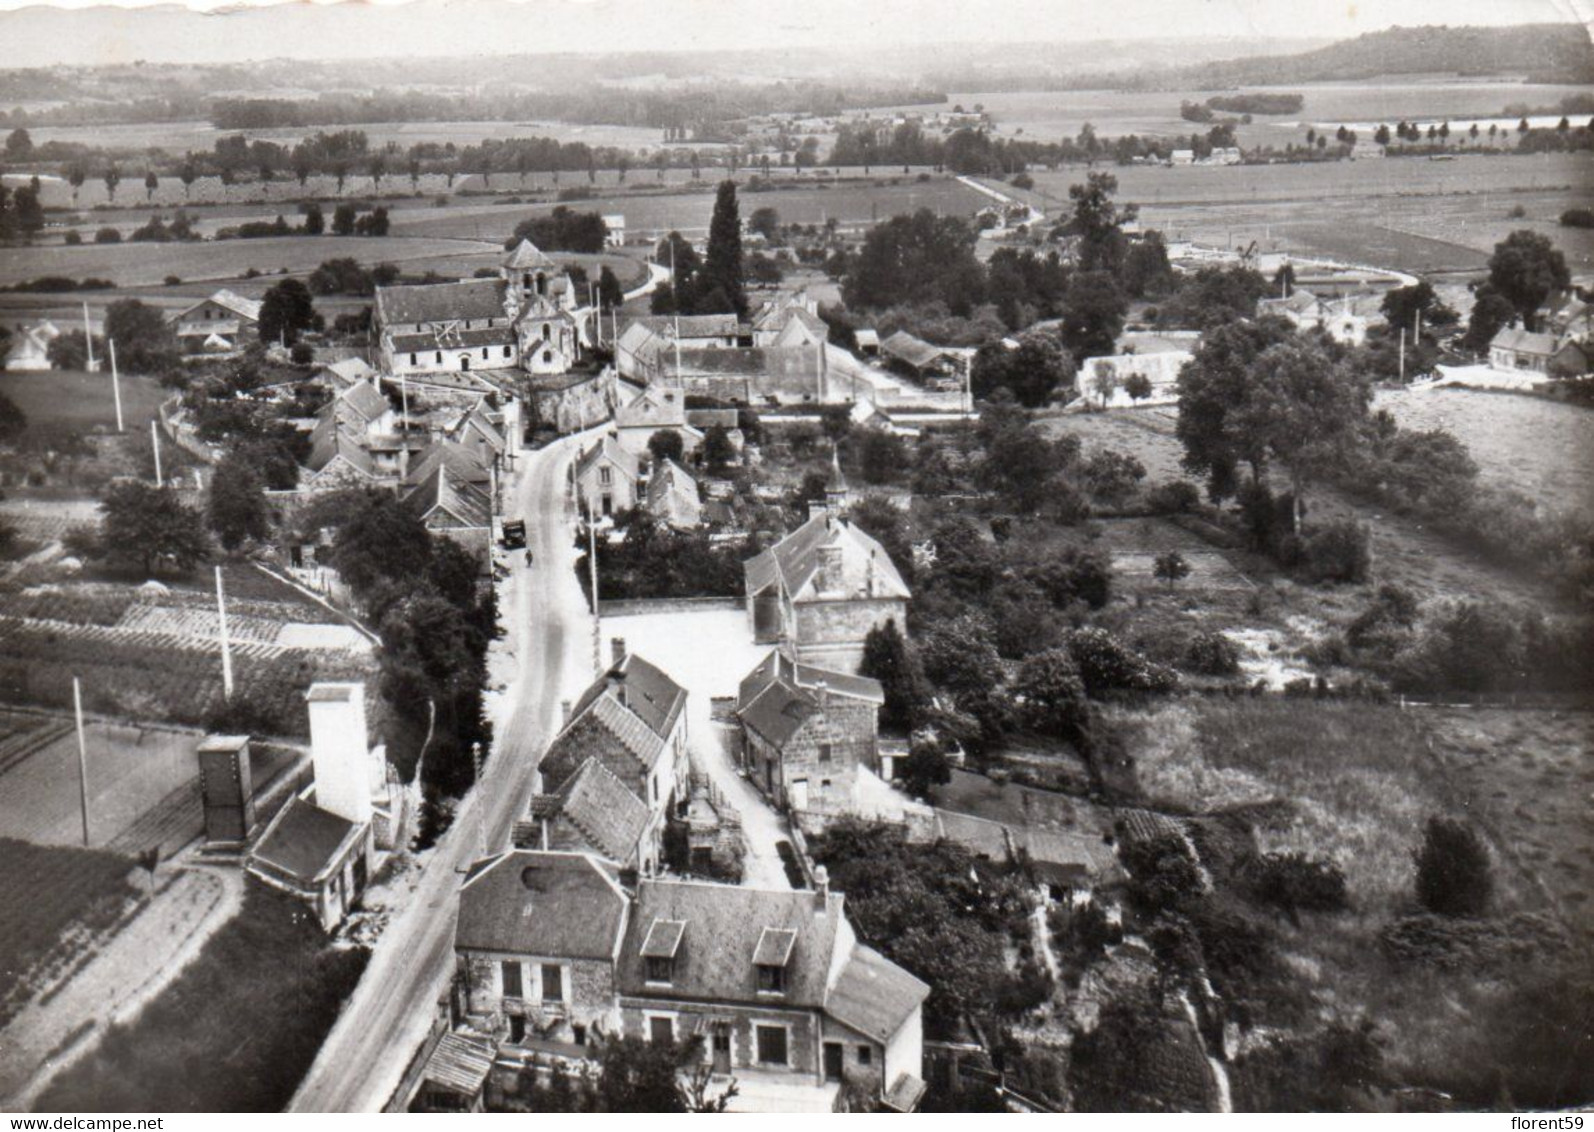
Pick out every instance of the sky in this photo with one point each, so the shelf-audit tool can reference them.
(710, 24)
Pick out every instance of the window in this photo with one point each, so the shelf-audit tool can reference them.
(464, 361)
(578, 1034)
(547, 357)
(604, 476)
(771, 979)
(439, 357)
(484, 353)
(659, 968)
(661, 1029)
(824, 752)
(865, 1055)
(553, 982)
(546, 331)
(771, 1041)
(412, 360)
(513, 987)
(517, 1029)
(506, 351)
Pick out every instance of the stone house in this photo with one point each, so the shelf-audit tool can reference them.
(646, 347)
(632, 721)
(672, 497)
(221, 323)
(806, 731)
(817, 592)
(450, 505)
(608, 478)
(1513, 350)
(536, 944)
(552, 947)
(655, 409)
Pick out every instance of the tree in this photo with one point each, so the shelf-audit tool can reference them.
(666, 444)
(188, 173)
(344, 217)
(1098, 222)
(1104, 381)
(610, 293)
(19, 145)
(13, 421)
(1403, 305)
(1093, 314)
(1171, 568)
(719, 451)
(639, 1076)
(112, 178)
(1525, 269)
(152, 182)
(1033, 372)
(1213, 388)
(315, 221)
(285, 311)
(925, 768)
(915, 260)
(889, 658)
(1453, 873)
(235, 505)
(765, 221)
(1019, 464)
(1490, 312)
(1052, 694)
(723, 266)
(150, 528)
(1138, 386)
(882, 455)
(145, 341)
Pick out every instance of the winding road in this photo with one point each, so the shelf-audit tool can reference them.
(545, 657)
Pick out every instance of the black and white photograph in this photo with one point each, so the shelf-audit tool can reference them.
(701, 556)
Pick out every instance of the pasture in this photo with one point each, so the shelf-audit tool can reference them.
(1542, 448)
(83, 400)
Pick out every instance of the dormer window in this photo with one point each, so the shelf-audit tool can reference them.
(659, 951)
(770, 958)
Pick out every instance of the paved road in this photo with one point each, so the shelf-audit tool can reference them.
(548, 635)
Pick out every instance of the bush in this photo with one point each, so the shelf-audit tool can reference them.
(1107, 664)
(1212, 654)
(1335, 552)
(1453, 877)
(108, 236)
(1293, 882)
(1578, 218)
(1175, 497)
(74, 238)
(302, 354)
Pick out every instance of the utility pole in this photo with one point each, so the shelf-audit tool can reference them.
(116, 384)
(404, 439)
(592, 581)
(155, 442)
(675, 296)
(226, 646)
(1402, 355)
(82, 759)
(88, 339)
(481, 797)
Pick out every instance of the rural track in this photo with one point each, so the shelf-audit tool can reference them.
(362, 1061)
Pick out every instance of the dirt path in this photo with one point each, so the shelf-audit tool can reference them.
(129, 971)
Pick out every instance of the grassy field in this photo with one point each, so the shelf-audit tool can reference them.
(1543, 448)
(1404, 213)
(252, 1009)
(83, 399)
(51, 900)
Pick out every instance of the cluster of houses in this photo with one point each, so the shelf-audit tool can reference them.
(1562, 347)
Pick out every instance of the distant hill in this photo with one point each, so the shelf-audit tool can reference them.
(1551, 53)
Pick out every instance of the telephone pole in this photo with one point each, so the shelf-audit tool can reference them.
(226, 646)
(82, 759)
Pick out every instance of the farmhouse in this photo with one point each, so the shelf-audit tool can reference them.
(817, 592)
(553, 948)
(31, 350)
(632, 721)
(1514, 349)
(323, 845)
(806, 732)
(520, 320)
(672, 497)
(219, 324)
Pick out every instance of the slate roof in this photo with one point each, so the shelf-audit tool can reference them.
(1523, 341)
(328, 441)
(226, 300)
(750, 362)
(363, 399)
(981, 836)
(461, 462)
(778, 711)
(873, 995)
(672, 495)
(777, 665)
(455, 338)
(303, 841)
(348, 371)
(795, 560)
(440, 302)
(608, 448)
(527, 902)
(655, 408)
(602, 812)
(714, 960)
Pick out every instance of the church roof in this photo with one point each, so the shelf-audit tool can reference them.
(440, 302)
(526, 255)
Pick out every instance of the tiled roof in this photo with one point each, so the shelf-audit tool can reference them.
(672, 495)
(329, 440)
(466, 503)
(757, 361)
(655, 408)
(454, 338)
(460, 1063)
(227, 300)
(527, 255)
(560, 905)
(460, 461)
(873, 995)
(777, 665)
(723, 926)
(607, 448)
(778, 711)
(915, 351)
(627, 714)
(440, 302)
(365, 400)
(978, 835)
(303, 841)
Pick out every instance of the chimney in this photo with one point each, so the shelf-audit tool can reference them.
(821, 890)
(340, 751)
(617, 649)
(564, 713)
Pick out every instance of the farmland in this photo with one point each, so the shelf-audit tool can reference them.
(83, 400)
(55, 900)
(1405, 213)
